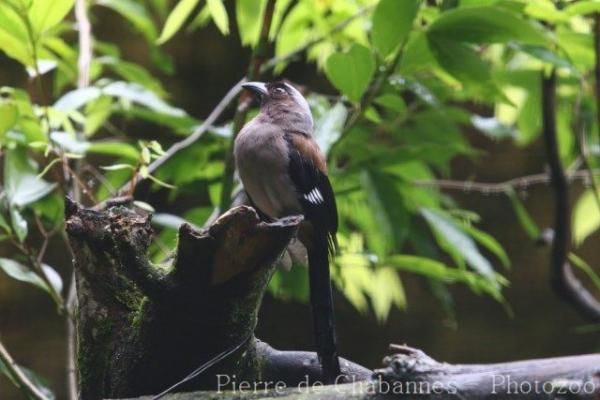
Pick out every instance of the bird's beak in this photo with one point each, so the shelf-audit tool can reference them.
(258, 88)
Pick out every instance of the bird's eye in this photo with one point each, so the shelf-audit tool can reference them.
(279, 91)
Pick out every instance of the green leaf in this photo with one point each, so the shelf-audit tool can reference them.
(387, 291)
(114, 149)
(76, 99)
(249, 14)
(19, 224)
(9, 115)
(44, 14)
(351, 72)
(459, 60)
(169, 221)
(439, 271)
(392, 21)
(22, 184)
(329, 126)
(486, 25)
(219, 15)
(523, 216)
(138, 94)
(456, 241)
(582, 7)
(136, 14)
(586, 268)
(387, 205)
(175, 20)
(392, 102)
(586, 217)
(21, 273)
(489, 242)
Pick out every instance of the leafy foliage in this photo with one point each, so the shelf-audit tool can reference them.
(405, 74)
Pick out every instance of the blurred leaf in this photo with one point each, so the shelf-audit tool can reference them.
(586, 217)
(493, 128)
(392, 102)
(168, 220)
(544, 54)
(486, 25)
(392, 21)
(176, 18)
(77, 98)
(44, 14)
(8, 117)
(329, 126)
(437, 270)
(523, 216)
(140, 95)
(455, 240)
(586, 268)
(21, 181)
(459, 60)
(249, 16)
(114, 149)
(582, 7)
(489, 242)
(386, 203)
(351, 72)
(136, 14)
(387, 291)
(21, 273)
(219, 15)
(39, 382)
(19, 224)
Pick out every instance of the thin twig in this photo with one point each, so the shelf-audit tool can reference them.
(19, 377)
(563, 280)
(505, 187)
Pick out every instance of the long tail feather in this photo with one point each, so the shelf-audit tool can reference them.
(321, 300)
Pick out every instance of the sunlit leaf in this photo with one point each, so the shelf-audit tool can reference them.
(388, 291)
(351, 72)
(392, 21)
(248, 14)
(486, 25)
(219, 15)
(586, 217)
(141, 95)
(8, 117)
(176, 18)
(45, 14)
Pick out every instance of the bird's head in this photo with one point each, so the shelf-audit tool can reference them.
(283, 104)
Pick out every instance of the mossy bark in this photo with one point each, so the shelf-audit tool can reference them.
(141, 327)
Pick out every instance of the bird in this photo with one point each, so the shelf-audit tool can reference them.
(284, 173)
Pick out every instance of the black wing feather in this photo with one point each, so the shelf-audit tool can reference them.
(319, 206)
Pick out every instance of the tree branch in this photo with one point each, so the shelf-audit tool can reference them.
(19, 377)
(505, 187)
(563, 280)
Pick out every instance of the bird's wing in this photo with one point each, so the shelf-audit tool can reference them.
(308, 171)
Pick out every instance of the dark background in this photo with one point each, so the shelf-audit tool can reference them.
(207, 64)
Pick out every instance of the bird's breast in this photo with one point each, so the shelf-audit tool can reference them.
(261, 156)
